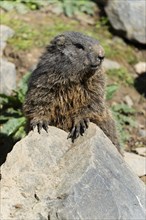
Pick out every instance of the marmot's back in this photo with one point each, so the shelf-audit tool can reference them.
(67, 87)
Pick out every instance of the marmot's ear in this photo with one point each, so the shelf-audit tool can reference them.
(59, 40)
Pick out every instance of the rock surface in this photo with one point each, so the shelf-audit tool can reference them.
(5, 33)
(128, 17)
(110, 64)
(47, 177)
(7, 77)
(141, 151)
(7, 69)
(136, 162)
(128, 100)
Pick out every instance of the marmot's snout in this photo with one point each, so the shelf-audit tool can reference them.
(95, 56)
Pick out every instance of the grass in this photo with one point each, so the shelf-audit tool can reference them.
(29, 35)
(121, 75)
(36, 34)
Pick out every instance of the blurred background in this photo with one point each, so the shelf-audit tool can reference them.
(26, 28)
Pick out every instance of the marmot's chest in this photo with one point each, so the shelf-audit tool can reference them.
(68, 103)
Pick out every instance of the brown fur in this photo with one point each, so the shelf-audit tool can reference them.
(65, 94)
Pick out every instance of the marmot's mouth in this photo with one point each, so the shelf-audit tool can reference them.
(95, 66)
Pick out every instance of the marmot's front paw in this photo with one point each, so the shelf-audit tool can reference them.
(40, 124)
(78, 129)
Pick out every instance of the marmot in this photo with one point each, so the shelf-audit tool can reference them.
(67, 88)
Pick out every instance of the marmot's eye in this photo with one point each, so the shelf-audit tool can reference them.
(79, 46)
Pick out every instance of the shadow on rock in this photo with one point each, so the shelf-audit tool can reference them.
(140, 84)
(6, 145)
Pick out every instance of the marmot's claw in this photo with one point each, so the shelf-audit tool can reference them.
(78, 129)
(40, 125)
(87, 120)
(45, 125)
(33, 124)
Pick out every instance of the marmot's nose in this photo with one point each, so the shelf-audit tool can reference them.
(97, 62)
(100, 57)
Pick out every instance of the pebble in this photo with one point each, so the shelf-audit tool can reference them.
(128, 100)
(141, 151)
(140, 67)
(142, 133)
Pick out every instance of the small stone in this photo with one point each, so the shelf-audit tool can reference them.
(140, 67)
(57, 9)
(136, 162)
(128, 100)
(110, 64)
(85, 19)
(7, 77)
(141, 151)
(142, 132)
(5, 33)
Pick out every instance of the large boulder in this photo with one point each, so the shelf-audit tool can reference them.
(128, 17)
(48, 177)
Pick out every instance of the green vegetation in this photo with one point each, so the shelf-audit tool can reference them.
(12, 119)
(78, 6)
(121, 75)
(28, 36)
(111, 90)
(70, 8)
(124, 116)
(23, 6)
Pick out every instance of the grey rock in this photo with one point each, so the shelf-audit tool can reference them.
(128, 17)
(110, 64)
(7, 77)
(48, 177)
(140, 67)
(142, 133)
(5, 33)
(136, 162)
(84, 18)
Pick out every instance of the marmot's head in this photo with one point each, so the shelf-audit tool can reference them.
(76, 56)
